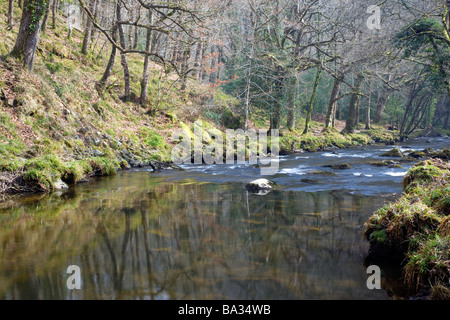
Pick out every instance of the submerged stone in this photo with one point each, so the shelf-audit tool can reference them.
(342, 166)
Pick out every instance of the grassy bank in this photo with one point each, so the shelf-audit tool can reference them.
(416, 228)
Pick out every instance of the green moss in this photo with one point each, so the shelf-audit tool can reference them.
(378, 236)
(432, 255)
(104, 166)
(418, 223)
(11, 165)
(76, 171)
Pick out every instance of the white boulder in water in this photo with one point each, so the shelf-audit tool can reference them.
(60, 185)
(260, 185)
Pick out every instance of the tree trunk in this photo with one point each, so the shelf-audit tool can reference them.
(136, 37)
(88, 32)
(212, 76)
(145, 75)
(29, 32)
(313, 97)
(54, 13)
(10, 14)
(357, 115)
(381, 105)
(368, 114)
(275, 116)
(101, 85)
(185, 67)
(47, 13)
(408, 107)
(331, 111)
(198, 52)
(123, 57)
(291, 115)
(247, 99)
(350, 123)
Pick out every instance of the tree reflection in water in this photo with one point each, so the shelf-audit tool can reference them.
(136, 237)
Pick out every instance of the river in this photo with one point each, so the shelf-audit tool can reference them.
(198, 234)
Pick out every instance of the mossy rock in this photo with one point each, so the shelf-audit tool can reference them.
(394, 153)
(442, 154)
(342, 166)
(417, 154)
(384, 163)
(322, 173)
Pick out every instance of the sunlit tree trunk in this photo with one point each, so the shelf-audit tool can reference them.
(10, 14)
(123, 56)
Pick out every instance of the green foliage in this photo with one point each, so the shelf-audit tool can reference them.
(54, 67)
(104, 166)
(37, 10)
(151, 138)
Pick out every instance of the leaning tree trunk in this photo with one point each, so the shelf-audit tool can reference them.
(88, 32)
(29, 31)
(332, 103)
(101, 85)
(313, 97)
(350, 123)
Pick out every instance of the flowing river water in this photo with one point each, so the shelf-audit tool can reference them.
(198, 234)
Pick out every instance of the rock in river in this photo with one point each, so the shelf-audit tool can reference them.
(260, 185)
(396, 153)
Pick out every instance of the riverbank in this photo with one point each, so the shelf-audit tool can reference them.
(415, 230)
